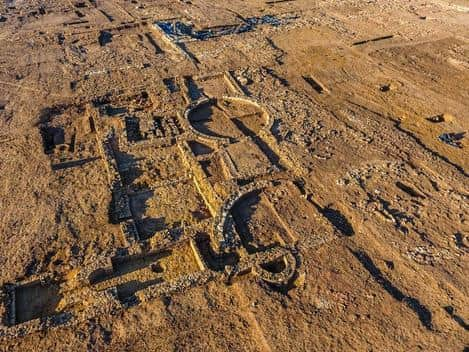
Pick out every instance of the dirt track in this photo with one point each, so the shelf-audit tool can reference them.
(234, 175)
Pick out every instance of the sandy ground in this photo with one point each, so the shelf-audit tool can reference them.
(234, 175)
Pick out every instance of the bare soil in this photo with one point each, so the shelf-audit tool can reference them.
(256, 175)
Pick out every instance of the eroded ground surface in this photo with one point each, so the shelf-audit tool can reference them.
(235, 175)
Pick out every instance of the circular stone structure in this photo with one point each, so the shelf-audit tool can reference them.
(227, 118)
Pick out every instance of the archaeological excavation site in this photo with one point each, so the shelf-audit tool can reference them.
(244, 175)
